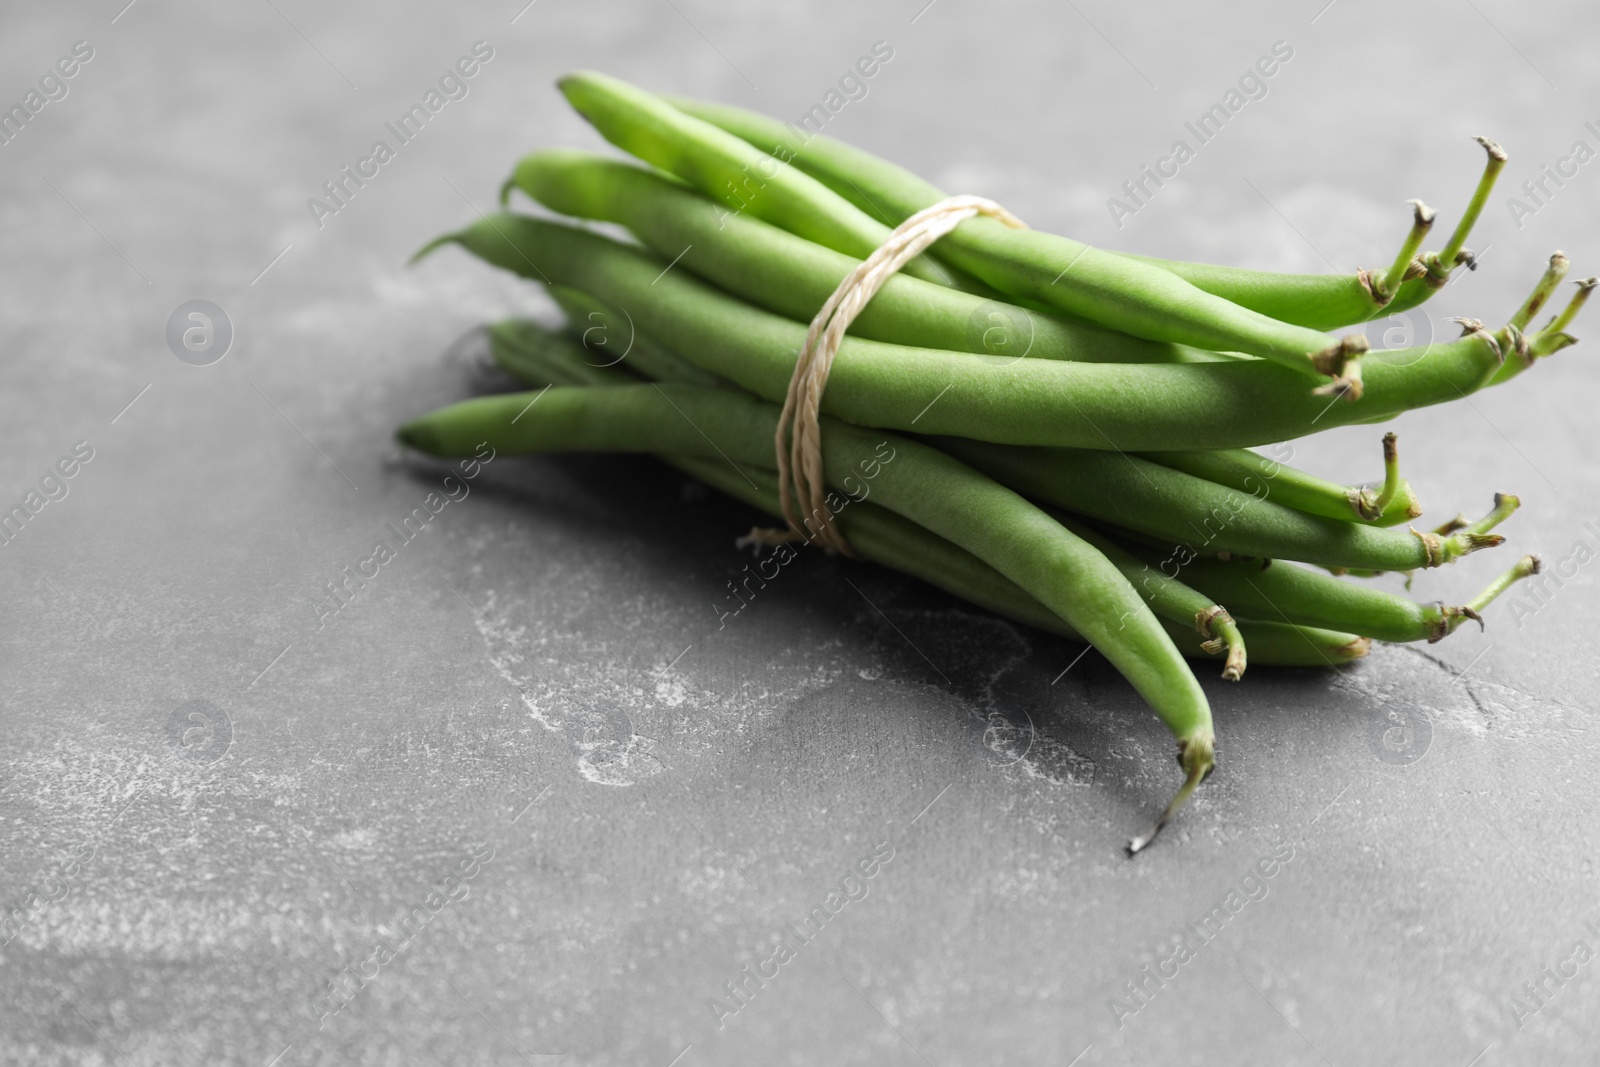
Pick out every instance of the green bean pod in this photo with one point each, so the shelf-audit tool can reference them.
(1171, 599)
(1113, 290)
(729, 169)
(1285, 592)
(791, 276)
(1029, 401)
(1389, 505)
(1162, 502)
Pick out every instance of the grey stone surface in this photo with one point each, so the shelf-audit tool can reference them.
(257, 793)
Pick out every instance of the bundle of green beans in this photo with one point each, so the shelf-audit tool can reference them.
(1055, 432)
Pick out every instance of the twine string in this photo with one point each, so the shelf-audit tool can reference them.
(799, 437)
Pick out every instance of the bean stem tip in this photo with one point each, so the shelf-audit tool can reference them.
(1198, 757)
(431, 246)
(1450, 618)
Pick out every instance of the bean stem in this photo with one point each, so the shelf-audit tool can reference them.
(1269, 479)
(1449, 257)
(1372, 507)
(1404, 262)
(1542, 292)
(1560, 323)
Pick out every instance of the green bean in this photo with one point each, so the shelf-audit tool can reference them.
(1559, 323)
(919, 482)
(789, 275)
(729, 169)
(1389, 505)
(1318, 301)
(1162, 502)
(1306, 597)
(1016, 401)
(1115, 291)
(1524, 349)
(1280, 644)
(1171, 599)
(1329, 301)
(1314, 301)
(536, 356)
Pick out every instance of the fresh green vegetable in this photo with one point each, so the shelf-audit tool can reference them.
(1199, 628)
(1081, 460)
(1329, 301)
(1239, 468)
(1306, 597)
(727, 168)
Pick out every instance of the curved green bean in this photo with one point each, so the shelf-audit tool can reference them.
(729, 168)
(887, 539)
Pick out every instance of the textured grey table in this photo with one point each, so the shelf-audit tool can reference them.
(521, 796)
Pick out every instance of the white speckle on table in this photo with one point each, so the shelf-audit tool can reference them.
(589, 717)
